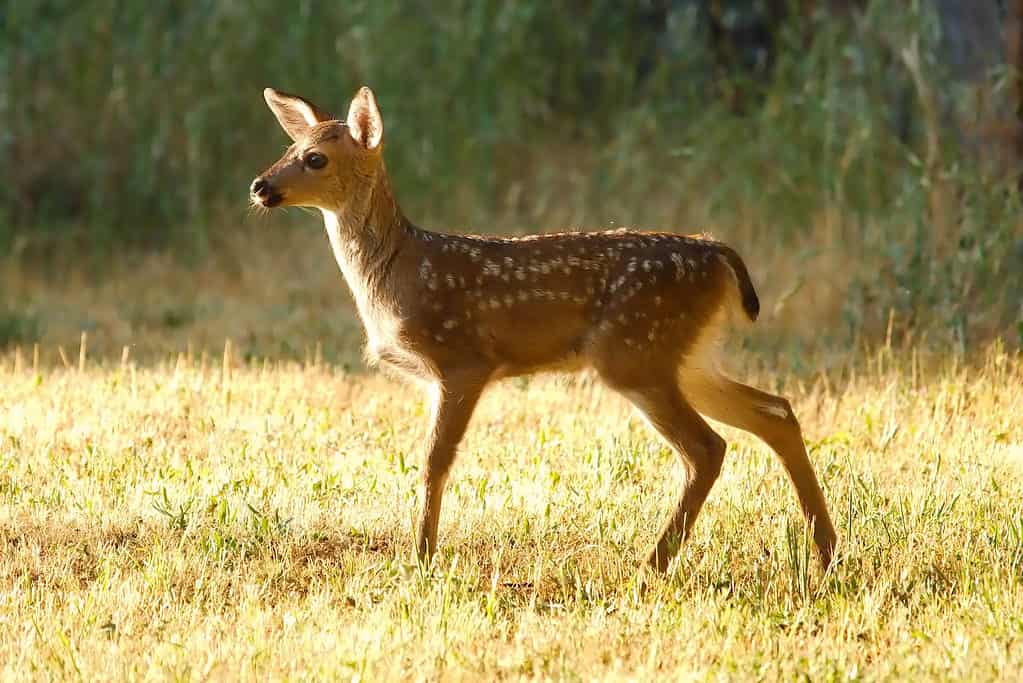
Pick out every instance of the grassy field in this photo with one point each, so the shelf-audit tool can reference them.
(210, 520)
(170, 509)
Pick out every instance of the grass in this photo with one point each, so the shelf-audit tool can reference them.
(210, 519)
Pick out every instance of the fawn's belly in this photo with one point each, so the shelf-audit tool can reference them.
(531, 343)
(513, 342)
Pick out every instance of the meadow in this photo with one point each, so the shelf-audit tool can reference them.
(201, 480)
(208, 518)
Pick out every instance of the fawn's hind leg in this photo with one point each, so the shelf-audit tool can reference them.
(770, 418)
(455, 399)
(701, 450)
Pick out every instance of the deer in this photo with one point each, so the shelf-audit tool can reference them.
(645, 311)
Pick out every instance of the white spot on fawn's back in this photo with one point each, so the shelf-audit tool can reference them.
(680, 268)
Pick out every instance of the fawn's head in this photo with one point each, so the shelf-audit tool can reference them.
(331, 162)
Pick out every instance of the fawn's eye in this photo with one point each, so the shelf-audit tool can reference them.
(315, 160)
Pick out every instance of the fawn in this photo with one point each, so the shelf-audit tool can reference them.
(644, 310)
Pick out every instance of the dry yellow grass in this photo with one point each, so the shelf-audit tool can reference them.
(173, 522)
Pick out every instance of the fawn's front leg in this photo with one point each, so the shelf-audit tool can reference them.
(454, 402)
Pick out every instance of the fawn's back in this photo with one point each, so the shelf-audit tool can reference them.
(557, 301)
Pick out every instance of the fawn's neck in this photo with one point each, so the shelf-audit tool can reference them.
(366, 237)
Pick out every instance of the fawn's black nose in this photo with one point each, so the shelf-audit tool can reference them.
(264, 194)
(259, 187)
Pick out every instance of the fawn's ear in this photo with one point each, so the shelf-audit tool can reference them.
(364, 122)
(295, 114)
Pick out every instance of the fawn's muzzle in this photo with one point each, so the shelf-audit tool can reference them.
(264, 194)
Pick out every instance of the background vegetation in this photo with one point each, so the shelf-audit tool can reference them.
(181, 499)
(863, 155)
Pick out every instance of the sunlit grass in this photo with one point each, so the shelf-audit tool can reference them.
(177, 521)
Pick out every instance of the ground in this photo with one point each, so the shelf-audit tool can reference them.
(181, 521)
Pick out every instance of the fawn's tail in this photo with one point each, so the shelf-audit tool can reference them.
(747, 293)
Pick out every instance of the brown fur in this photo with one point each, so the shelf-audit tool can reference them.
(458, 312)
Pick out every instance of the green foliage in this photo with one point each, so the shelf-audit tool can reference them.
(18, 326)
(963, 290)
(130, 118)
